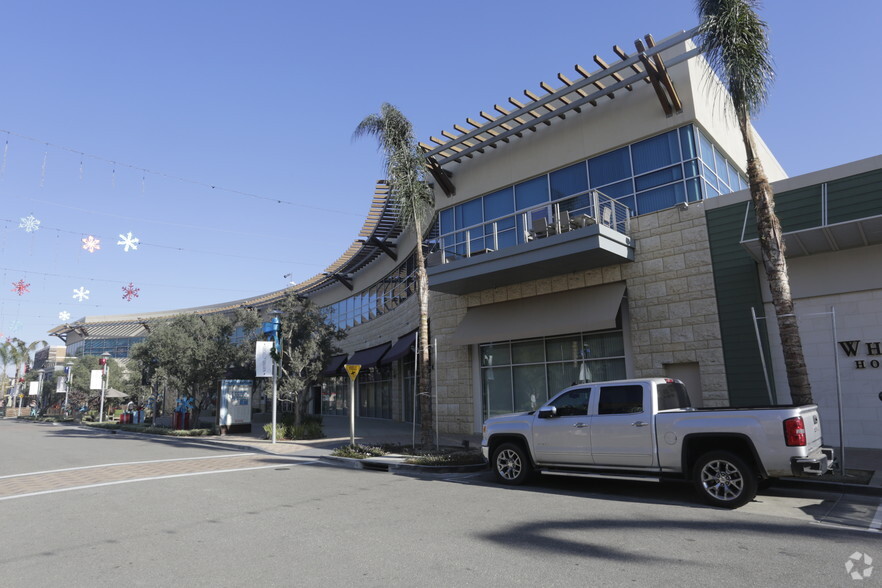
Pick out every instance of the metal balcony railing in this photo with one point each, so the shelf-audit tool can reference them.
(556, 217)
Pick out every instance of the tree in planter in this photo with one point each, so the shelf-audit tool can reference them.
(307, 342)
(192, 353)
(733, 39)
(406, 173)
(79, 393)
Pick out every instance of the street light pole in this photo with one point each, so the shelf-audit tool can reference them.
(274, 327)
(104, 377)
(40, 373)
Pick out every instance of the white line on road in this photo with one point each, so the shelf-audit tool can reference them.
(86, 487)
(125, 463)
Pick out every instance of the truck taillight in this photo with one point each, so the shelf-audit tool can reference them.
(794, 432)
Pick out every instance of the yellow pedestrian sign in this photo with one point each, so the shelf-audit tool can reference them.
(352, 370)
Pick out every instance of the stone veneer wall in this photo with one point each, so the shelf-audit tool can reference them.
(671, 303)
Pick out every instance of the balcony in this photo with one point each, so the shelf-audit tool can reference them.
(576, 233)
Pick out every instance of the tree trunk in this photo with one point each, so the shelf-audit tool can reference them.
(427, 425)
(772, 247)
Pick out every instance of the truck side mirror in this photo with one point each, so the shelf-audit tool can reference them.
(547, 412)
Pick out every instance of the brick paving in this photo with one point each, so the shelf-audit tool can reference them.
(24, 484)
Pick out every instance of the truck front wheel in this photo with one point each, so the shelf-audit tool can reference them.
(724, 479)
(511, 464)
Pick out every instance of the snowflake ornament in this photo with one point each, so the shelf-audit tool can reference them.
(21, 287)
(80, 294)
(128, 242)
(64, 315)
(29, 223)
(91, 244)
(130, 292)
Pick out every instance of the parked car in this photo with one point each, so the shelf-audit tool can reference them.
(646, 429)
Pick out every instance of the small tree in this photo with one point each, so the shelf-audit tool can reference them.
(307, 341)
(194, 352)
(79, 393)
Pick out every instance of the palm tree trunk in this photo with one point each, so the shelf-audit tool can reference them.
(427, 425)
(772, 247)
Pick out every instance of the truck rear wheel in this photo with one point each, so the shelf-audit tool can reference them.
(511, 464)
(724, 479)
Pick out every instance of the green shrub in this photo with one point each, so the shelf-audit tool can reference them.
(358, 451)
(454, 458)
(309, 428)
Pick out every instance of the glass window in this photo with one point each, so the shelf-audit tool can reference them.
(446, 220)
(497, 354)
(664, 176)
(661, 198)
(498, 391)
(562, 348)
(572, 403)
(672, 395)
(469, 213)
(707, 151)
(619, 190)
(563, 375)
(528, 351)
(498, 204)
(687, 142)
(655, 152)
(733, 177)
(693, 190)
(710, 191)
(609, 167)
(621, 399)
(569, 180)
(721, 168)
(528, 384)
(531, 193)
(691, 168)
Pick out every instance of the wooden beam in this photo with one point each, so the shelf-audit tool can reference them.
(532, 113)
(621, 53)
(501, 110)
(584, 73)
(563, 99)
(547, 107)
(615, 75)
(664, 77)
(654, 78)
(503, 125)
(441, 177)
(579, 91)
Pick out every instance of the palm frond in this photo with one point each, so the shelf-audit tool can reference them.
(735, 43)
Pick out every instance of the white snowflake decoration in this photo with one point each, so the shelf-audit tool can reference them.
(64, 315)
(91, 244)
(29, 223)
(81, 294)
(128, 242)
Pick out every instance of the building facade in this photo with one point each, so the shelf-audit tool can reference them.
(599, 229)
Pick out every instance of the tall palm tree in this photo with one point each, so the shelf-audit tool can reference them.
(406, 173)
(734, 41)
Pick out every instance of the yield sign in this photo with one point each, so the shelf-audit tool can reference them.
(352, 370)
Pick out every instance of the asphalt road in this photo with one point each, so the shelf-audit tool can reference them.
(147, 512)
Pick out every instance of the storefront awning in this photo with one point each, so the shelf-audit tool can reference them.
(332, 368)
(573, 311)
(370, 357)
(402, 347)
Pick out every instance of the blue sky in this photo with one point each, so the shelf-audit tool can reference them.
(186, 123)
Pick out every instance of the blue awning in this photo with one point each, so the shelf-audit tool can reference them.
(403, 347)
(369, 357)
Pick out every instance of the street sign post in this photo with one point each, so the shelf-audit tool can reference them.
(352, 369)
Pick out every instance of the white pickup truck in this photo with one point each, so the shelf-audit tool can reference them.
(646, 429)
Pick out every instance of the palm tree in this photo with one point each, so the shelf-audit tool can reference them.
(406, 171)
(733, 39)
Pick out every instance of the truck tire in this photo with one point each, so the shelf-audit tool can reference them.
(724, 479)
(511, 464)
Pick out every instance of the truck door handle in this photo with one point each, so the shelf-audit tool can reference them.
(640, 424)
(580, 425)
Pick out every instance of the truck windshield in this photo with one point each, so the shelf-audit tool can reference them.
(672, 395)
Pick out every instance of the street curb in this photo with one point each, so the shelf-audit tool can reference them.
(381, 464)
(821, 486)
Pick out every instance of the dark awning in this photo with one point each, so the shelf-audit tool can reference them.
(573, 311)
(332, 368)
(369, 357)
(404, 346)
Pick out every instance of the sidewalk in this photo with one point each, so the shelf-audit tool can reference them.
(865, 463)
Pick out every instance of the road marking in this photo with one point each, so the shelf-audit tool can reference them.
(125, 463)
(166, 477)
